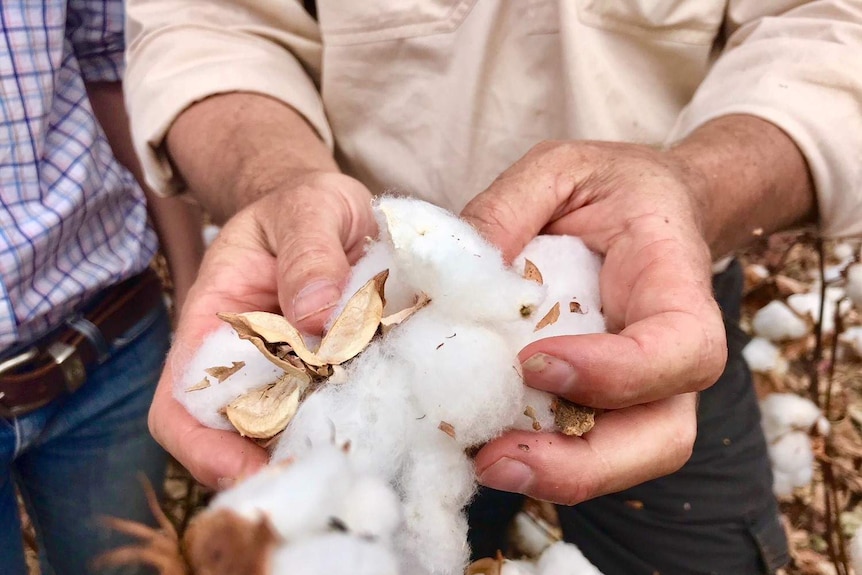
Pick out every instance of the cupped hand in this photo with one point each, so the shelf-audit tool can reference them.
(641, 209)
(290, 252)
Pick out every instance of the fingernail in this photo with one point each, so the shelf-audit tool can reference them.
(549, 373)
(507, 475)
(315, 298)
(224, 483)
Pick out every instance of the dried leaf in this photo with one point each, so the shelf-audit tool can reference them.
(265, 411)
(575, 307)
(202, 384)
(531, 413)
(550, 318)
(532, 273)
(571, 418)
(447, 428)
(272, 329)
(356, 324)
(221, 373)
(398, 317)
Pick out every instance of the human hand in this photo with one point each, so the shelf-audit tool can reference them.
(641, 208)
(290, 251)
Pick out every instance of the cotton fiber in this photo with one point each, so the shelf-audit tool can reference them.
(777, 322)
(380, 451)
(787, 421)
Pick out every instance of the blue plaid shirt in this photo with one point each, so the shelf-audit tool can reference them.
(72, 219)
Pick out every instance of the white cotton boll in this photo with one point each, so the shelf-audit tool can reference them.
(460, 373)
(437, 455)
(843, 251)
(529, 536)
(371, 508)
(570, 272)
(209, 234)
(563, 558)
(435, 538)
(856, 551)
(762, 356)
(299, 498)
(852, 336)
(784, 412)
(538, 404)
(370, 410)
(792, 462)
(221, 348)
(808, 304)
(854, 285)
(518, 568)
(378, 257)
(447, 259)
(777, 322)
(334, 554)
(783, 483)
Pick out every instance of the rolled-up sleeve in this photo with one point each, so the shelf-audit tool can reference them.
(182, 51)
(801, 70)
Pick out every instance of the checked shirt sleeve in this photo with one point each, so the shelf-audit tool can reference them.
(95, 29)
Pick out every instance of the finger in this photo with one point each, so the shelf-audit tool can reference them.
(674, 340)
(315, 237)
(518, 204)
(625, 448)
(215, 458)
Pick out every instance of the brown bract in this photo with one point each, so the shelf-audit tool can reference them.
(532, 273)
(223, 543)
(263, 412)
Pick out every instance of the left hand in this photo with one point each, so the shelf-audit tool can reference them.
(640, 208)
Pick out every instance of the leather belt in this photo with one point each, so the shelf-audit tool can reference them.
(58, 363)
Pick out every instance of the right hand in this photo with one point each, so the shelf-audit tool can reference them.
(288, 252)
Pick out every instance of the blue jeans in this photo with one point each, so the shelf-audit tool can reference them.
(80, 458)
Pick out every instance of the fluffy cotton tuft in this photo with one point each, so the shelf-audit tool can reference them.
(221, 348)
(777, 322)
(762, 356)
(787, 420)
(808, 305)
(563, 558)
(410, 405)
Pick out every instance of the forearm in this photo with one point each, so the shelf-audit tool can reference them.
(233, 148)
(749, 179)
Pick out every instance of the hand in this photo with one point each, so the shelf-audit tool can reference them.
(641, 209)
(301, 239)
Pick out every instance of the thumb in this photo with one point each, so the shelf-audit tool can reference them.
(316, 230)
(515, 208)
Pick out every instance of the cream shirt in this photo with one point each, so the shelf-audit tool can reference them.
(436, 97)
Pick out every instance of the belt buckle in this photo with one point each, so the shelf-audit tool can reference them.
(69, 361)
(19, 359)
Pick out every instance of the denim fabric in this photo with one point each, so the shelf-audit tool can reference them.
(79, 458)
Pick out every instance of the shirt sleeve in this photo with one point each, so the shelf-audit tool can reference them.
(95, 30)
(182, 51)
(800, 69)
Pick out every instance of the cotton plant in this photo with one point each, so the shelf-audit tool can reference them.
(370, 426)
(788, 422)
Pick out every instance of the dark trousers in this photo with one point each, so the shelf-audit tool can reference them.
(716, 515)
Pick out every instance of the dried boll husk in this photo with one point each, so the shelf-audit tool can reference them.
(264, 412)
(223, 543)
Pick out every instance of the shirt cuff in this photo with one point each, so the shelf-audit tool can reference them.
(160, 87)
(813, 98)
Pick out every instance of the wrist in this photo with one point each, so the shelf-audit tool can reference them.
(747, 178)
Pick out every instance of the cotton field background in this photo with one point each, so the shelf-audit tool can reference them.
(807, 359)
